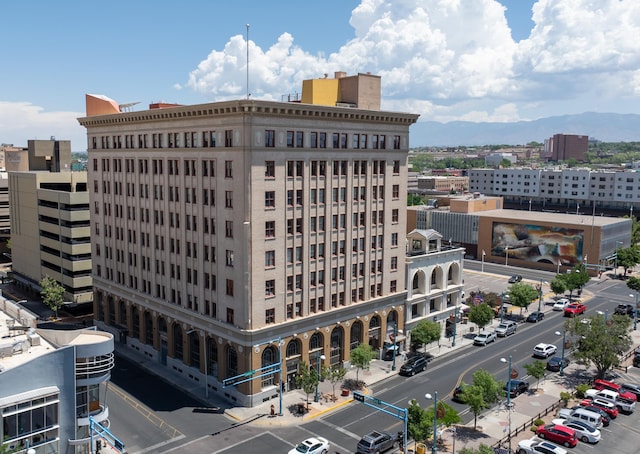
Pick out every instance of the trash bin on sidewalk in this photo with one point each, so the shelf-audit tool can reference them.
(421, 448)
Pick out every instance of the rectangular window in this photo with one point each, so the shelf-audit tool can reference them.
(270, 169)
(290, 139)
(394, 216)
(228, 169)
(299, 139)
(314, 140)
(270, 288)
(270, 229)
(270, 259)
(228, 199)
(270, 199)
(269, 316)
(269, 138)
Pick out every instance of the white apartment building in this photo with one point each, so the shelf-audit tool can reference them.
(228, 235)
(572, 187)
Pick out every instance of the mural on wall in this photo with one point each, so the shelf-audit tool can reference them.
(537, 243)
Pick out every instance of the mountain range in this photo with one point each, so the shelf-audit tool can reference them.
(605, 127)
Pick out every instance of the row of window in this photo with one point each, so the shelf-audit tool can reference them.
(209, 139)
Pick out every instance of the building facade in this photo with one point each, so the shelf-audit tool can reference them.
(50, 229)
(563, 147)
(229, 235)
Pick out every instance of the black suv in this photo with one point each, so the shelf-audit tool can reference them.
(414, 365)
(517, 387)
(625, 309)
(375, 442)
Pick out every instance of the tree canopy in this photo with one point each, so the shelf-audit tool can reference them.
(481, 315)
(361, 357)
(522, 295)
(628, 257)
(52, 293)
(573, 280)
(425, 332)
(600, 342)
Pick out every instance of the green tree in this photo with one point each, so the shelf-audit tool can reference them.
(634, 283)
(473, 395)
(419, 424)
(481, 315)
(307, 379)
(491, 388)
(425, 332)
(558, 285)
(522, 295)
(601, 342)
(536, 370)
(573, 280)
(628, 257)
(361, 357)
(505, 163)
(334, 375)
(52, 293)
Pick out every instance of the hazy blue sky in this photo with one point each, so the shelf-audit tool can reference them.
(475, 60)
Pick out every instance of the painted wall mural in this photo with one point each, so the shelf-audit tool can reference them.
(536, 243)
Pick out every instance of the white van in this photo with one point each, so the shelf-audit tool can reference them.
(581, 414)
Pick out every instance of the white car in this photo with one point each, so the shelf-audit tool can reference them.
(535, 446)
(561, 304)
(584, 431)
(313, 445)
(544, 350)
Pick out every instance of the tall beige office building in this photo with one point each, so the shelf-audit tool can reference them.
(233, 235)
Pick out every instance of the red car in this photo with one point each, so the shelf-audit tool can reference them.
(604, 384)
(559, 434)
(574, 309)
(611, 410)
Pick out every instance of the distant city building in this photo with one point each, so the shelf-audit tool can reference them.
(447, 184)
(495, 159)
(562, 147)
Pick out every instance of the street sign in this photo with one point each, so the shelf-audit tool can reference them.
(359, 397)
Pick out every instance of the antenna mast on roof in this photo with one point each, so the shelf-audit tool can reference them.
(248, 94)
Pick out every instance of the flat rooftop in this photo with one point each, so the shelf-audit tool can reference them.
(544, 216)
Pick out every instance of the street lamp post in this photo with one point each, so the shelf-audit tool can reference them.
(508, 396)
(540, 300)
(434, 447)
(395, 345)
(506, 256)
(615, 272)
(319, 358)
(455, 324)
(635, 313)
(564, 337)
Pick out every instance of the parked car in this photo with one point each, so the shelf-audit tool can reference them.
(579, 413)
(544, 350)
(606, 419)
(484, 338)
(515, 278)
(625, 309)
(561, 304)
(535, 446)
(636, 358)
(608, 407)
(574, 309)
(535, 317)
(632, 388)
(584, 431)
(517, 387)
(559, 434)
(623, 404)
(375, 442)
(622, 392)
(413, 366)
(313, 445)
(506, 328)
(556, 363)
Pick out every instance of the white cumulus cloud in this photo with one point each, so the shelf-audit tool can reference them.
(454, 59)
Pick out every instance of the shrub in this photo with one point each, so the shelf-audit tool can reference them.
(581, 389)
(538, 422)
(565, 397)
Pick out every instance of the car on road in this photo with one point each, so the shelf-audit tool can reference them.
(506, 328)
(375, 442)
(625, 309)
(574, 309)
(543, 350)
(559, 434)
(604, 405)
(584, 431)
(457, 394)
(413, 366)
(484, 338)
(313, 445)
(535, 446)
(516, 387)
(515, 278)
(556, 363)
(561, 304)
(535, 317)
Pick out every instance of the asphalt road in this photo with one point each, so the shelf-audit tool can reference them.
(149, 415)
